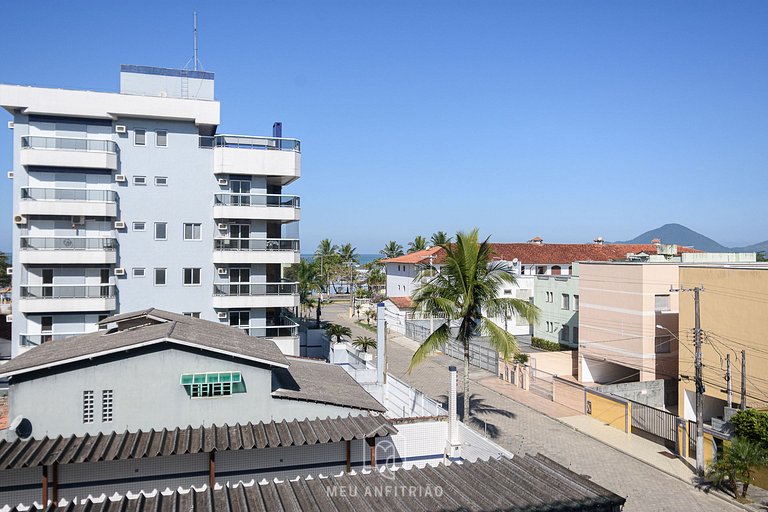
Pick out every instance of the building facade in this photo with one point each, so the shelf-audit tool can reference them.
(119, 197)
(557, 297)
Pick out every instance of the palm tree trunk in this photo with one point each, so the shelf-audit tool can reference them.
(465, 416)
(744, 487)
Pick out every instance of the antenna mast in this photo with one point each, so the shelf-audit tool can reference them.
(194, 24)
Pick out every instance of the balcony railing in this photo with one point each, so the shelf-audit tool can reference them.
(274, 200)
(246, 142)
(255, 244)
(68, 291)
(33, 340)
(68, 194)
(60, 243)
(254, 289)
(284, 327)
(94, 145)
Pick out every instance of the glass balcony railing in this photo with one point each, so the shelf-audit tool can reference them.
(274, 200)
(59, 243)
(68, 291)
(255, 244)
(248, 142)
(33, 340)
(68, 194)
(99, 146)
(283, 327)
(254, 289)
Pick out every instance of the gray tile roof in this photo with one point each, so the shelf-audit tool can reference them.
(318, 381)
(134, 445)
(174, 327)
(523, 483)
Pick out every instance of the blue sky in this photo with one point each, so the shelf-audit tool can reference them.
(565, 120)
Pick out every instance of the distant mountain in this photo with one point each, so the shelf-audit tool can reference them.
(681, 235)
(759, 247)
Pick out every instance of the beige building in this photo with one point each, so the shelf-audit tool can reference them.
(734, 317)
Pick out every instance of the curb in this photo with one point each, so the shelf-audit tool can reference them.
(711, 493)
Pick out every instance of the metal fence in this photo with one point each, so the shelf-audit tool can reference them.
(541, 382)
(481, 354)
(657, 422)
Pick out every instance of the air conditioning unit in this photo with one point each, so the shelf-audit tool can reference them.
(222, 315)
(119, 224)
(223, 182)
(10, 175)
(222, 226)
(119, 271)
(78, 220)
(10, 125)
(120, 128)
(120, 178)
(19, 219)
(222, 271)
(9, 271)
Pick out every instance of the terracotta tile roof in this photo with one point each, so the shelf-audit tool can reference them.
(414, 257)
(3, 412)
(401, 302)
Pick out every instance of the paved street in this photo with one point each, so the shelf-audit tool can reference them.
(521, 429)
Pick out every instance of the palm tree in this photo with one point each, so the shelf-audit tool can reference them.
(466, 292)
(327, 253)
(376, 278)
(339, 331)
(369, 313)
(364, 343)
(392, 250)
(307, 275)
(737, 463)
(419, 244)
(440, 238)
(5, 279)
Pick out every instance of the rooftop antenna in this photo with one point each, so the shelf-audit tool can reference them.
(196, 64)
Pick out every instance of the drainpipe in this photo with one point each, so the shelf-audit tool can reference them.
(453, 447)
(381, 345)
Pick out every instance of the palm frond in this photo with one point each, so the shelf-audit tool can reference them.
(504, 342)
(434, 342)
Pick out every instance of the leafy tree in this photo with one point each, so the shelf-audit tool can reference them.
(338, 331)
(376, 278)
(392, 250)
(307, 275)
(370, 314)
(466, 292)
(751, 424)
(761, 256)
(364, 343)
(736, 464)
(440, 238)
(419, 244)
(5, 279)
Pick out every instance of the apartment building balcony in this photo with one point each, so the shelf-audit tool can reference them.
(49, 298)
(69, 152)
(255, 250)
(75, 202)
(277, 158)
(63, 250)
(256, 207)
(282, 328)
(255, 295)
(33, 340)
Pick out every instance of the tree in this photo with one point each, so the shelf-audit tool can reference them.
(307, 275)
(339, 331)
(751, 424)
(369, 314)
(440, 238)
(736, 464)
(364, 343)
(419, 244)
(761, 256)
(329, 258)
(5, 279)
(376, 278)
(466, 293)
(392, 250)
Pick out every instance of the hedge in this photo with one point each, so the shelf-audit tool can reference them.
(751, 424)
(549, 346)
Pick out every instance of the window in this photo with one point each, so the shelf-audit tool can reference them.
(139, 271)
(550, 297)
(575, 302)
(140, 137)
(161, 181)
(565, 301)
(192, 232)
(565, 333)
(191, 276)
(663, 343)
(88, 406)
(193, 314)
(160, 276)
(139, 226)
(202, 385)
(161, 138)
(507, 292)
(240, 319)
(161, 231)
(106, 405)
(662, 303)
(139, 180)
(541, 270)
(46, 328)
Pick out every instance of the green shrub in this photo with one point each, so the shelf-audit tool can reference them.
(543, 344)
(751, 424)
(521, 358)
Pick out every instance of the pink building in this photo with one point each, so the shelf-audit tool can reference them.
(626, 319)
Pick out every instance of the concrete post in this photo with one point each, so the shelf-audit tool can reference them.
(453, 447)
(381, 345)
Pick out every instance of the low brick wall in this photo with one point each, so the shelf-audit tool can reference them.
(568, 393)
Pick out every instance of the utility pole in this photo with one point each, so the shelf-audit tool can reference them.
(728, 385)
(699, 380)
(743, 404)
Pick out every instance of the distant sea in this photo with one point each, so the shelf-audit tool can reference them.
(361, 258)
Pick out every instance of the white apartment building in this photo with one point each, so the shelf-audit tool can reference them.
(131, 199)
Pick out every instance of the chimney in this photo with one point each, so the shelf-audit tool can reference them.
(599, 240)
(277, 130)
(536, 240)
(453, 447)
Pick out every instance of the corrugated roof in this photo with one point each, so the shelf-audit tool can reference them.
(172, 327)
(134, 445)
(317, 381)
(523, 483)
